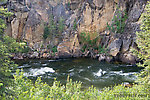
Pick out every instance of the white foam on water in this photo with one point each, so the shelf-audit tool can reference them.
(116, 72)
(44, 64)
(127, 74)
(52, 60)
(87, 79)
(24, 66)
(81, 70)
(89, 67)
(41, 71)
(71, 70)
(121, 73)
(99, 73)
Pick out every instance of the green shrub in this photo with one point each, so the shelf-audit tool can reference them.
(68, 4)
(50, 28)
(4, 13)
(24, 89)
(54, 49)
(3, 0)
(53, 29)
(118, 22)
(102, 49)
(75, 25)
(60, 26)
(87, 42)
(13, 46)
(46, 32)
(91, 44)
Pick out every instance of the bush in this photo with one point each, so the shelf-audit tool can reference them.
(50, 28)
(54, 49)
(91, 44)
(46, 32)
(24, 89)
(102, 50)
(118, 22)
(87, 42)
(54, 29)
(13, 46)
(60, 26)
(75, 25)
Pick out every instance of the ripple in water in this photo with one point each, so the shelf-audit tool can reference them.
(100, 73)
(88, 71)
(41, 71)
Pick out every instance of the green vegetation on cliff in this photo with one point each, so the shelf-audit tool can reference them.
(91, 44)
(87, 42)
(53, 29)
(118, 22)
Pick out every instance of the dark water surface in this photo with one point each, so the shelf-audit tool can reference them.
(88, 71)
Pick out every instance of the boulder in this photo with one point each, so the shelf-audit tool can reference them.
(34, 55)
(126, 44)
(18, 57)
(87, 53)
(114, 47)
(96, 56)
(109, 59)
(102, 57)
(46, 55)
(128, 58)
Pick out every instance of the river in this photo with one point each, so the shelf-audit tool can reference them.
(88, 71)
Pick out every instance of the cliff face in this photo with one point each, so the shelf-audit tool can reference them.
(89, 16)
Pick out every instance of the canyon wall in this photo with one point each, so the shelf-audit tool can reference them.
(88, 16)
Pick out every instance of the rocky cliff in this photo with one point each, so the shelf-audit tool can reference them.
(89, 16)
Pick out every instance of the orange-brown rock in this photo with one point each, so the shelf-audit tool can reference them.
(69, 47)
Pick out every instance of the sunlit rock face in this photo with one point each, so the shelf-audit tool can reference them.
(96, 15)
(69, 47)
(89, 16)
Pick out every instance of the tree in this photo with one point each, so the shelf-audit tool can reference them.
(7, 46)
(143, 41)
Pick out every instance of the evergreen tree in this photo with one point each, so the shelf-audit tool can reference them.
(7, 46)
(143, 41)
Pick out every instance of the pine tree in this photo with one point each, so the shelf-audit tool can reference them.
(143, 41)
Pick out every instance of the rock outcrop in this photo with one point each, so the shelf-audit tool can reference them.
(89, 16)
(69, 47)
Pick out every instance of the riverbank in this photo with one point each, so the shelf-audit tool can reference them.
(54, 55)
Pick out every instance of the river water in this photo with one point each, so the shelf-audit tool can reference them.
(88, 71)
